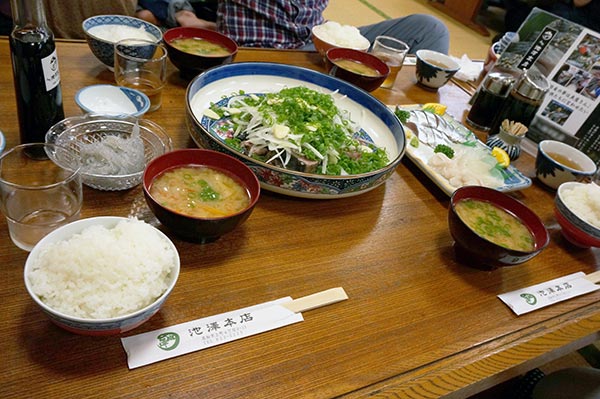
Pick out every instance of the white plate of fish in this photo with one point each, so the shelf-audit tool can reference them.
(431, 137)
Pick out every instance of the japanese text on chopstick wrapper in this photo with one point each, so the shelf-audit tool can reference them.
(165, 343)
(541, 295)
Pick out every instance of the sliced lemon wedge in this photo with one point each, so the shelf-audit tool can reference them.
(436, 108)
(501, 156)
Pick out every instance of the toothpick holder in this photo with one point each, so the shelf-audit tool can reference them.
(507, 141)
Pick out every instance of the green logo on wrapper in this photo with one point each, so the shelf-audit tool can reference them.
(530, 299)
(168, 341)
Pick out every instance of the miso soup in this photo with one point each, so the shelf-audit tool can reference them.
(198, 46)
(495, 224)
(356, 67)
(199, 191)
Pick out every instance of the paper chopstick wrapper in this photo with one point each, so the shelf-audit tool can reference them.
(180, 339)
(538, 296)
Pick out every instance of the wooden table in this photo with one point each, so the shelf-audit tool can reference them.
(464, 11)
(417, 323)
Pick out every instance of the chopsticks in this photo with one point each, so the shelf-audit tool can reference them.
(316, 300)
(593, 277)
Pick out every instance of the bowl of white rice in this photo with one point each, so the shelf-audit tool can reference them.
(332, 34)
(103, 31)
(577, 210)
(102, 275)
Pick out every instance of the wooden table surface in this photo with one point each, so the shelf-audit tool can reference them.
(417, 323)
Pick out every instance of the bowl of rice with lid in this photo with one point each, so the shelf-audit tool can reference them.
(102, 275)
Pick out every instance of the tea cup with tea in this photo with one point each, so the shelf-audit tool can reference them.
(557, 162)
(434, 69)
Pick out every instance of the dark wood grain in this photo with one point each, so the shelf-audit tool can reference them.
(417, 323)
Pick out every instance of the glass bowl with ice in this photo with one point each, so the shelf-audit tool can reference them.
(113, 150)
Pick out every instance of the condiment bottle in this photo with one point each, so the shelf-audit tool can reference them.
(524, 100)
(489, 99)
(35, 71)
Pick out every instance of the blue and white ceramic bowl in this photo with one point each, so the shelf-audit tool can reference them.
(557, 163)
(113, 29)
(434, 69)
(112, 100)
(377, 122)
(2, 142)
(107, 326)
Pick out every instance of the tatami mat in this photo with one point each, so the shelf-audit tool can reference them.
(463, 40)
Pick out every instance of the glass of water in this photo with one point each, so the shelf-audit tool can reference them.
(38, 195)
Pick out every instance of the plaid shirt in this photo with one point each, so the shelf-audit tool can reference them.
(269, 23)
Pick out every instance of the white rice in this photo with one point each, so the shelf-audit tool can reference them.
(104, 273)
(341, 35)
(113, 33)
(584, 201)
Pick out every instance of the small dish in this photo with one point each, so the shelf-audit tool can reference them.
(112, 100)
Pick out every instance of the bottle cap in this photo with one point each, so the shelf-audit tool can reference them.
(498, 83)
(532, 84)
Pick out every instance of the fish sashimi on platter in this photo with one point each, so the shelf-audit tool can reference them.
(452, 155)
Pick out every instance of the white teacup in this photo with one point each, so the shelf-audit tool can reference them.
(557, 163)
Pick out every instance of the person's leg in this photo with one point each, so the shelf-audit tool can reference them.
(419, 31)
(573, 383)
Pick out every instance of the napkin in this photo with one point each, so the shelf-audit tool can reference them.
(469, 70)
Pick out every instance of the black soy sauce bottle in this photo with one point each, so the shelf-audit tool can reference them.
(35, 71)
(524, 100)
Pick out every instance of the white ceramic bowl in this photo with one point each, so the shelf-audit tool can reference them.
(553, 172)
(434, 69)
(107, 326)
(112, 100)
(103, 48)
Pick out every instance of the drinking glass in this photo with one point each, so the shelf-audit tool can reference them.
(142, 65)
(38, 195)
(392, 51)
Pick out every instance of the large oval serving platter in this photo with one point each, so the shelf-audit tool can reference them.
(378, 124)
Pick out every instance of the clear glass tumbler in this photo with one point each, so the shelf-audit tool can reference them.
(142, 65)
(391, 51)
(38, 195)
